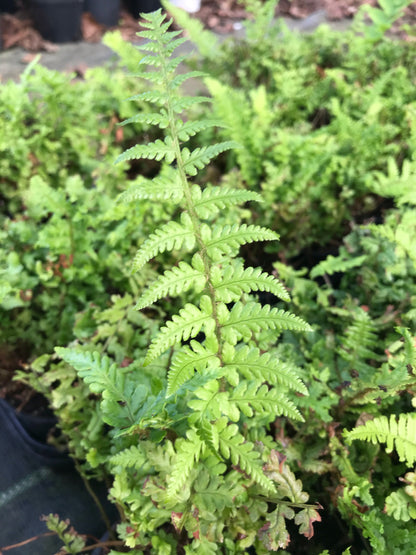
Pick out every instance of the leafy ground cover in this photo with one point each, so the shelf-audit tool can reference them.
(263, 397)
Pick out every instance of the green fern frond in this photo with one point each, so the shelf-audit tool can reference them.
(360, 342)
(246, 319)
(409, 347)
(170, 236)
(98, 372)
(197, 159)
(206, 41)
(173, 282)
(399, 434)
(400, 506)
(181, 78)
(162, 187)
(189, 359)
(211, 404)
(133, 457)
(183, 103)
(190, 128)
(253, 397)
(234, 280)
(215, 493)
(225, 239)
(160, 119)
(213, 199)
(335, 264)
(121, 397)
(188, 323)
(159, 98)
(242, 453)
(262, 367)
(188, 454)
(158, 150)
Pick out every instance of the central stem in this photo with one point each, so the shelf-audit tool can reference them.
(190, 206)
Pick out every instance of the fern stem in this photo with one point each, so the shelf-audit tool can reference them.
(189, 202)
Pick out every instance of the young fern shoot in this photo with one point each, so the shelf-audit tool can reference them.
(229, 319)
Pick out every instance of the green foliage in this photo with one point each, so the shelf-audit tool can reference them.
(382, 18)
(62, 237)
(73, 542)
(180, 377)
(198, 415)
(397, 434)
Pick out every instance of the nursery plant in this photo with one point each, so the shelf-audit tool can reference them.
(193, 464)
(302, 108)
(222, 422)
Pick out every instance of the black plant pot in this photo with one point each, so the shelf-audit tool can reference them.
(136, 7)
(104, 11)
(57, 20)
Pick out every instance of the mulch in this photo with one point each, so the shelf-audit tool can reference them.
(220, 16)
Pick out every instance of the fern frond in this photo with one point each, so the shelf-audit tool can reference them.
(190, 128)
(162, 187)
(206, 41)
(244, 320)
(225, 239)
(158, 150)
(335, 264)
(360, 342)
(400, 506)
(186, 361)
(197, 159)
(173, 282)
(253, 397)
(170, 236)
(213, 199)
(160, 119)
(234, 280)
(409, 347)
(188, 453)
(233, 446)
(262, 367)
(133, 457)
(159, 98)
(188, 323)
(214, 493)
(399, 434)
(181, 78)
(182, 103)
(121, 397)
(98, 372)
(211, 404)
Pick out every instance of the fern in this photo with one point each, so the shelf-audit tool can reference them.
(262, 367)
(213, 199)
(359, 344)
(234, 280)
(332, 264)
(212, 273)
(179, 279)
(398, 433)
(171, 236)
(207, 42)
(217, 379)
(245, 319)
(188, 323)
